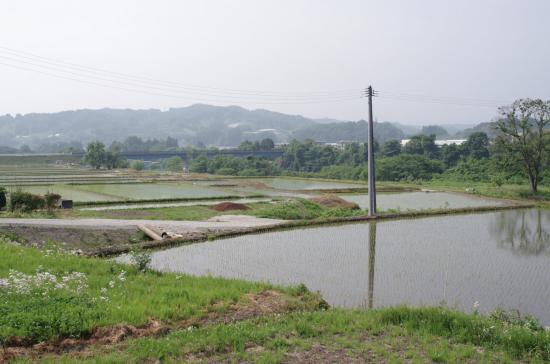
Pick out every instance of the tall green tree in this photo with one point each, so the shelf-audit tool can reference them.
(523, 134)
(95, 154)
(267, 144)
(422, 144)
(391, 148)
(173, 164)
(477, 145)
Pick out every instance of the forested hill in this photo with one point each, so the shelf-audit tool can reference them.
(210, 125)
(348, 131)
(199, 125)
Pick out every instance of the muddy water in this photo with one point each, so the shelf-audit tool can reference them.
(496, 259)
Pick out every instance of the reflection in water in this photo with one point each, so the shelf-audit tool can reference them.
(372, 254)
(525, 232)
(458, 259)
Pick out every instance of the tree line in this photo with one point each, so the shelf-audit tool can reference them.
(520, 151)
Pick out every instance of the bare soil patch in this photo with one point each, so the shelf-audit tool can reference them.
(72, 238)
(334, 201)
(229, 206)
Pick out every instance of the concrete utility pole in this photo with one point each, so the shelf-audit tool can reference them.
(370, 155)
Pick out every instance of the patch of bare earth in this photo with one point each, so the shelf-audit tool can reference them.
(253, 305)
(319, 354)
(230, 206)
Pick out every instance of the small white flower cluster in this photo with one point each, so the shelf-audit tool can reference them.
(104, 296)
(43, 282)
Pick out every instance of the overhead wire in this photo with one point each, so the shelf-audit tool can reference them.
(179, 96)
(111, 76)
(10, 57)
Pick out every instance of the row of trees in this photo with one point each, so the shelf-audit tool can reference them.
(97, 156)
(520, 151)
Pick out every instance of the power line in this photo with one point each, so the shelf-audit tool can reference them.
(151, 86)
(171, 95)
(86, 71)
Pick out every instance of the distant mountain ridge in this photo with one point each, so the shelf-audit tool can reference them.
(192, 125)
(211, 125)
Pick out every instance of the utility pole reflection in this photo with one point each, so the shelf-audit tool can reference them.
(372, 253)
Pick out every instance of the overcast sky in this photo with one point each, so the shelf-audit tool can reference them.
(293, 51)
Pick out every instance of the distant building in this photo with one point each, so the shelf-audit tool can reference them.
(439, 142)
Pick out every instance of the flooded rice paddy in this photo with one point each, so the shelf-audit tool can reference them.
(247, 187)
(422, 200)
(138, 191)
(498, 259)
(303, 184)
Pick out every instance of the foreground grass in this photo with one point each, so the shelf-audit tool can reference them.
(140, 296)
(385, 335)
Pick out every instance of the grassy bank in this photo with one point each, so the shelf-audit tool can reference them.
(506, 191)
(49, 296)
(392, 335)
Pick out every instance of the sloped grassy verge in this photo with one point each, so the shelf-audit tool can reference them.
(395, 335)
(46, 296)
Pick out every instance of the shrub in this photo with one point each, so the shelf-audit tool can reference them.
(407, 166)
(137, 165)
(52, 200)
(226, 172)
(173, 164)
(2, 198)
(141, 259)
(25, 201)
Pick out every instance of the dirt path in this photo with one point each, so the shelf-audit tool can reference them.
(224, 222)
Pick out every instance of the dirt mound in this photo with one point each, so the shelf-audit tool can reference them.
(333, 201)
(229, 206)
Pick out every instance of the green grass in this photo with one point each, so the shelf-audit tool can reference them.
(507, 191)
(383, 335)
(143, 295)
(195, 212)
(296, 209)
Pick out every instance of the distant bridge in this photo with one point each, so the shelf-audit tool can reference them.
(155, 156)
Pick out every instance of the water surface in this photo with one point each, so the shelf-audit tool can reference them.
(422, 200)
(496, 259)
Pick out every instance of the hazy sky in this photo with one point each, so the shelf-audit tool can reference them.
(294, 50)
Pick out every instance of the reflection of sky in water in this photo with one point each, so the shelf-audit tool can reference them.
(421, 200)
(457, 259)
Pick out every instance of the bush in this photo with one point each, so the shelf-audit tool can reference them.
(137, 165)
(141, 259)
(52, 200)
(26, 202)
(407, 167)
(226, 171)
(173, 164)
(2, 198)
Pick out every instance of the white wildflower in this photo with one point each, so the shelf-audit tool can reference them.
(122, 276)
